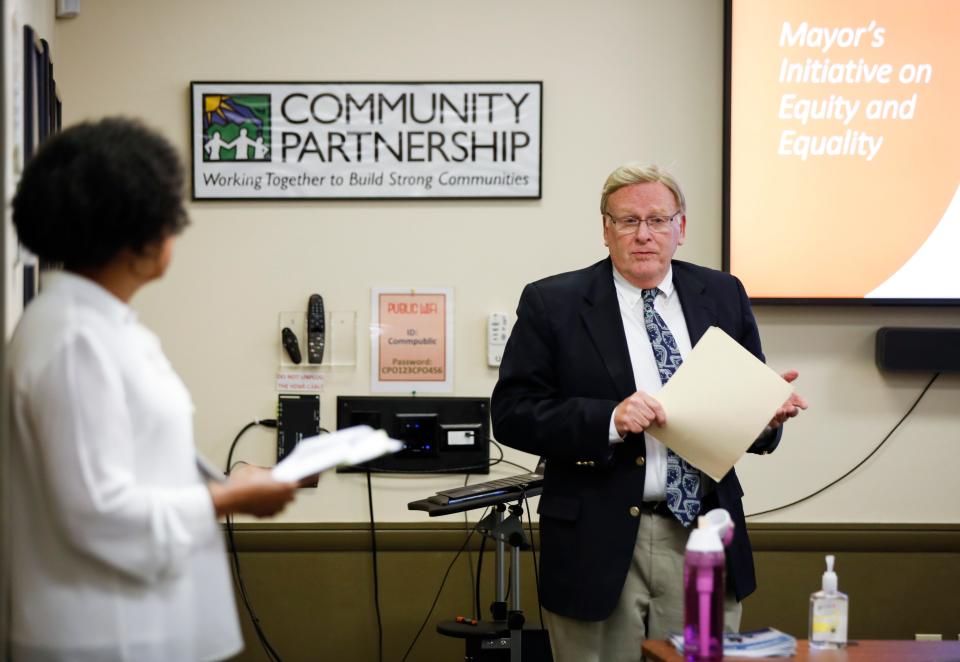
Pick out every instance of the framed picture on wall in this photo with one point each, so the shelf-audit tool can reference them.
(42, 113)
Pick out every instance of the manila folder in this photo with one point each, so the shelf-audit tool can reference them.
(717, 403)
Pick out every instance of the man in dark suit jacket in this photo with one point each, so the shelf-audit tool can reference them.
(575, 387)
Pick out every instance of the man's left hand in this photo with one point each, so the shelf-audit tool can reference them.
(792, 406)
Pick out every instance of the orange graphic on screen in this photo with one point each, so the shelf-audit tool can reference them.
(838, 226)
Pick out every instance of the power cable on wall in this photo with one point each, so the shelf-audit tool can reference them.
(235, 557)
(861, 462)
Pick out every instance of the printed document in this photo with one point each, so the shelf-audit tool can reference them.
(348, 446)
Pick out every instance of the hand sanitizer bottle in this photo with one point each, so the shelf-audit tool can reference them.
(828, 613)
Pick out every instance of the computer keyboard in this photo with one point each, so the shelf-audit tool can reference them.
(512, 484)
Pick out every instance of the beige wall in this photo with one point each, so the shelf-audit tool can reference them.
(622, 80)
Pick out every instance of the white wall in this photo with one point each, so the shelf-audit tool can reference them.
(623, 80)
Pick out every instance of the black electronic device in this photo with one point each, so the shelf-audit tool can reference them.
(510, 487)
(418, 432)
(290, 344)
(481, 495)
(908, 349)
(440, 434)
(316, 329)
(298, 417)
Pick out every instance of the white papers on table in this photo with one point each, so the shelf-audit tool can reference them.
(717, 403)
(348, 446)
(768, 642)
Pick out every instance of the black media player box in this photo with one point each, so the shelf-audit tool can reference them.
(298, 417)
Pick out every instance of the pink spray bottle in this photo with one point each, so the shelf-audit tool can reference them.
(704, 586)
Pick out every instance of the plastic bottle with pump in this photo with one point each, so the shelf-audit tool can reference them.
(828, 613)
(704, 586)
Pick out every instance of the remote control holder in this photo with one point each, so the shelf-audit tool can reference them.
(340, 340)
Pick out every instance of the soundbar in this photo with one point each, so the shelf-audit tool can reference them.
(906, 349)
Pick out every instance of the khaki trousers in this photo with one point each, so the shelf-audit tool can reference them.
(650, 605)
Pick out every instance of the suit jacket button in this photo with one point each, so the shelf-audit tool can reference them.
(634, 511)
(641, 460)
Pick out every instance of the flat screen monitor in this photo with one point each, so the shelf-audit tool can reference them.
(842, 153)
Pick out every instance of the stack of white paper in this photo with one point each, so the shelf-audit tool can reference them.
(349, 446)
(768, 642)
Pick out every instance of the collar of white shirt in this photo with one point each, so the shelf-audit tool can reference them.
(82, 289)
(633, 294)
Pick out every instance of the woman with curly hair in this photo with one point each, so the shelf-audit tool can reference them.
(114, 548)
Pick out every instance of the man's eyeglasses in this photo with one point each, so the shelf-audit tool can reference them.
(630, 224)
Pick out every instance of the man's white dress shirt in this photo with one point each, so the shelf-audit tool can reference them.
(114, 548)
(646, 374)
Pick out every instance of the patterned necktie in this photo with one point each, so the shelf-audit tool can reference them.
(683, 480)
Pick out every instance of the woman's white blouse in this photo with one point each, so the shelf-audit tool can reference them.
(114, 548)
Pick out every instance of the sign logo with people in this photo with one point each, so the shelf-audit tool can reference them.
(236, 127)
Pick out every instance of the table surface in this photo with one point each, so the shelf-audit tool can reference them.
(875, 650)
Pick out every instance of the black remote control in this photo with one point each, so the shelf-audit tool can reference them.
(315, 329)
(291, 344)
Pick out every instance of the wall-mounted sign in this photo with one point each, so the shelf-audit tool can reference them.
(281, 141)
(411, 339)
